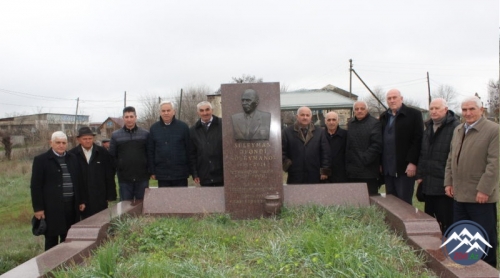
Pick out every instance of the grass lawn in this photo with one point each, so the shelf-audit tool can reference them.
(302, 242)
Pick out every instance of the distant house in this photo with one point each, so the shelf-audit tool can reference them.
(95, 127)
(109, 125)
(44, 122)
(321, 101)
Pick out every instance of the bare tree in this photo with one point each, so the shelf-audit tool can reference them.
(283, 88)
(375, 107)
(150, 112)
(191, 96)
(247, 79)
(493, 99)
(448, 93)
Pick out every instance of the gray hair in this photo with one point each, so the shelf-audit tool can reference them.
(58, 134)
(360, 101)
(475, 99)
(204, 103)
(303, 107)
(167, 102)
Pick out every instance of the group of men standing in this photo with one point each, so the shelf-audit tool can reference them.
(456, 165)
(67, 186)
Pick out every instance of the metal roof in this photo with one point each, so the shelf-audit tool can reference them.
(314, 99)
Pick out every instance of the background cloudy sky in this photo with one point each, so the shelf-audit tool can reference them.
(53, 52)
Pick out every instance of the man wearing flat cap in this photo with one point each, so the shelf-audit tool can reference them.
(105, 143)
(98, 177)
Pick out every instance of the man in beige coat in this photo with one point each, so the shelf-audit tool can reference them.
(471, 175)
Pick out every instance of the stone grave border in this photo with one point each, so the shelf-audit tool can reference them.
(417, 228)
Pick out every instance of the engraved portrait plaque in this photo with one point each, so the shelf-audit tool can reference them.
(252, 147)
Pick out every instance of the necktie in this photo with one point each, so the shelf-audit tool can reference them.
(206, 125)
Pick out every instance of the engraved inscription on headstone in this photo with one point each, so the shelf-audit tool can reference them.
(252, 147)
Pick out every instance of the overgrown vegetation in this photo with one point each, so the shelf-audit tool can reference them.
(304, 242)
(18, 244)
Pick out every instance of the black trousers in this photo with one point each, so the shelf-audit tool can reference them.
(372, 185)
(441, 208)
(173, 183)
(484, 215)
(70, 219)
(401, 187)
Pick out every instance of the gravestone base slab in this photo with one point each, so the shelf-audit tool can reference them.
(326, 194)
(189, 201)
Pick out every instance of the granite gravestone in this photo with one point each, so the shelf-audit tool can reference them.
(252, 147)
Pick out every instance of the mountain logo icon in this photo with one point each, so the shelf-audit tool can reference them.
(465, 242)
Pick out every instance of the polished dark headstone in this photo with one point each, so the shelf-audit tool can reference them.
(252, 147)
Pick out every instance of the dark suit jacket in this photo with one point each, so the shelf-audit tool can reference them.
(98, 178)
(47, 191)
(409, 131)
(258, 126)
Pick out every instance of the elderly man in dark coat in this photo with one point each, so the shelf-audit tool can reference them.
(306, 152)
(56, 193)
(431, 165)
(337, 138)
(98, 177)
(402, 129)
(168, 149)
(206, 147)
(364, 147)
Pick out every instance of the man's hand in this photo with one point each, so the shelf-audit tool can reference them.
(481, 198)
(81, 207)
(411, 170)
(323, 177)
(197, 180)
(449, 191)
(40, 214)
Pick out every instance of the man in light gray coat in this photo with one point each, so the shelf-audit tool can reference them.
(471, 176)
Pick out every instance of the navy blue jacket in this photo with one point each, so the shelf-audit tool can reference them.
(168, 150)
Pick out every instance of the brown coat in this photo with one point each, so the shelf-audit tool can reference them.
(477, 167)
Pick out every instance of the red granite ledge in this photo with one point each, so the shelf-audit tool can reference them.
(442, 265)
(404, 218)
(63, 254)
(326, 194)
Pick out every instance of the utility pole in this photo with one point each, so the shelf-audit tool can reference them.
(125, 100)
(429, 89)
(76, 113)
(350, 78)
(180, 105)
(378, 100)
